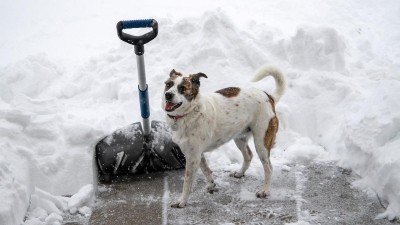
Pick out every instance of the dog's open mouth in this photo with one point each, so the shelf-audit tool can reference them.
(169, 106)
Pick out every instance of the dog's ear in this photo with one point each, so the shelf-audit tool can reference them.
(174, 73)
(195, 78)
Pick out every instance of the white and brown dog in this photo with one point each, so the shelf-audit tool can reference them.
(202, 123)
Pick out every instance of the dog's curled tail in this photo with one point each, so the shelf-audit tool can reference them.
(280, 80)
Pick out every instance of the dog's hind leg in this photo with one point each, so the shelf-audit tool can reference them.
(263, 154)
(241, 143)
(211, 186)
(264, 138)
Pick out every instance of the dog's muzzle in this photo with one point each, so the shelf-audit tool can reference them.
(169, 105)
(169, 96)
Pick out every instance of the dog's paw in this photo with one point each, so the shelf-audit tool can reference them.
(262, 194)
(178, 205)
(211, 188)
(237, 174)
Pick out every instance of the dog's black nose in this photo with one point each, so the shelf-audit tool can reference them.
(169, 96)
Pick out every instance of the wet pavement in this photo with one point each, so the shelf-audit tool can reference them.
(315, 193)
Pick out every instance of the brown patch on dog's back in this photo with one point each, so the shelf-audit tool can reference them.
(229, 92)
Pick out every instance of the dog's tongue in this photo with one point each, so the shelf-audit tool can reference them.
(169, 106)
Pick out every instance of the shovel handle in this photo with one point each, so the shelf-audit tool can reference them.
(137, 41)
(128, 24)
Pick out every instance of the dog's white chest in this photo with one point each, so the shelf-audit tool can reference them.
(191, 133)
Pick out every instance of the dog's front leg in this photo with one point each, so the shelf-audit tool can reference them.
(211, 186)
(193, 159)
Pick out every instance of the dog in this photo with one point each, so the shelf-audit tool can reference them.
(202, 123)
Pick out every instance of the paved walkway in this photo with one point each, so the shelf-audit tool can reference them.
(316, 193)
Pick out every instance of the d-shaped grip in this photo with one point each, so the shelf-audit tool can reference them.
(137, 41)
(128, 24)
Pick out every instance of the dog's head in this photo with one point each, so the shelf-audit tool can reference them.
(181, 93)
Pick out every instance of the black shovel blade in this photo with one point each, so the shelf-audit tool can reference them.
(128, 151)
(119, 152)
(164, 149)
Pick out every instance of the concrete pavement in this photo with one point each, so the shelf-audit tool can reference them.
(315, 193)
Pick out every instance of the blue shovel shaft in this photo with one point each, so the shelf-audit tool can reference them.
(144, 103)
(143, 95)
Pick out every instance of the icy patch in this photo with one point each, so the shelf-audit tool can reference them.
(246, 195)
(300, 222)
(300, 180)
(165, 202)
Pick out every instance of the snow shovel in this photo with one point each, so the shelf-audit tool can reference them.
(139, 147)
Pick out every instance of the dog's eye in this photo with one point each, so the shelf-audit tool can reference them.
(169, 84)
(181, 89)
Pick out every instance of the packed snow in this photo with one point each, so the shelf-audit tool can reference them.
(67, 81)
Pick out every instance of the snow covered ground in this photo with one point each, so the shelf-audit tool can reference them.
(67, 80)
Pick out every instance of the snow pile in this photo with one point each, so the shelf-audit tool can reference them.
(48, 209)
(352, 113)
(318, 48)
(84, 195)
(304, 150)
(45, 208)
(42, 147)
(342, 99)
(372, 141)
(14, 186)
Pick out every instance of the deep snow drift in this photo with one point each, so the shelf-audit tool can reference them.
(75, 82)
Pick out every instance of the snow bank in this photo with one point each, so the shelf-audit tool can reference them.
(372, 141)
(319, 48)
(14, 187)
(42, 146)
(352, 113)
(46, 208)
(342, 99)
